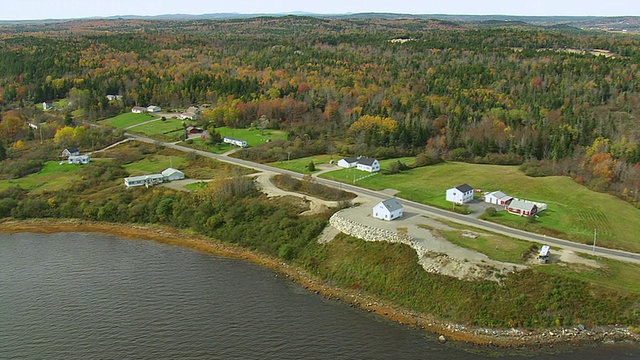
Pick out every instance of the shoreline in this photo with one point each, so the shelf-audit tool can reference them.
(502, 338)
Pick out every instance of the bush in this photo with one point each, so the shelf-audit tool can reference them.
(490, 211)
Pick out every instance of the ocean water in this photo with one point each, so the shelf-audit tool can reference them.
(90, 296)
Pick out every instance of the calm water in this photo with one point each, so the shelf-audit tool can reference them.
(87, 296)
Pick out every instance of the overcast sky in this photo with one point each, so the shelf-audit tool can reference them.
(67, 9)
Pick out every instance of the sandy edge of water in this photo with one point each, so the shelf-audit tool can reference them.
(511, 338)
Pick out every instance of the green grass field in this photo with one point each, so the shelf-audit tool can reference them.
(300, 165)
(573, 210)
(53, 176)
(160, 127)
(127, 119)
(154, 164)
(253, 137)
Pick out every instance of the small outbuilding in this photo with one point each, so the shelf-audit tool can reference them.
(153, 109)
(348, 163)
(498, 198)
(172, 174)
(460, 194)
(388, 210)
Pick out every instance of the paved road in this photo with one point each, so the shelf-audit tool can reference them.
(421, 208)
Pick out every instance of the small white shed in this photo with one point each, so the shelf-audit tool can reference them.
(388, 210)
(172, 174)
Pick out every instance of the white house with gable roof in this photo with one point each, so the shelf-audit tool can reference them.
(460, 194)
(388, 210)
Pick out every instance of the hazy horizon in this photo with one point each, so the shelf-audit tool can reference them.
(75, 9)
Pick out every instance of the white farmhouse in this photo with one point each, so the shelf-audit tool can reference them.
(171, 174)
(138, 110)
(153, 109)
(460, 194)
(388, 210)
(368, 164)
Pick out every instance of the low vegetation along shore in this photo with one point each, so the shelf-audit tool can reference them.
(513, 337)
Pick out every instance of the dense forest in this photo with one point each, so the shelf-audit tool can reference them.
(557, 100)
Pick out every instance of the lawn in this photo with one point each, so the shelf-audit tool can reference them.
(154, 164)
(364, 178)
(301, 165)
(253, 137)
(573, 210)
(160, 127)
(128, 119)
(53, 176)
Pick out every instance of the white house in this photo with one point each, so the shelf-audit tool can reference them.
(236, 142)
(498, 198)
(368, 164)
(460, 194)
(138, 110)
(172, 174)
(146, 180)
(388, 210)
(70, 152)
(348, 162)
(79, 159)
(153, 109)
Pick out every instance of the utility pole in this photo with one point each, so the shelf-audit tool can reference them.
(595, 236)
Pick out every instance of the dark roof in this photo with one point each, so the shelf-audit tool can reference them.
(350, 160)
(366, 161)
(72, 150)
(392, 204)
(464, 188)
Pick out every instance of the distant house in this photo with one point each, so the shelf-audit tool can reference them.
(153, 109)
(138, 110)
(388, 210)
(70, 152)
(46, 106)
(194, 130)
(361, 163)
(143, 180)
(236, 142)
(172, 174)
(191, 113)
(498, 198)
(368, 164)
(522, 207)
(113, 97)
(460, 194)
(348, 162)
(79, 159)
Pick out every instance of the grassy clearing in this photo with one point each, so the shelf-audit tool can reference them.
(300, 165)
(202, 144)
(253, 137)
(495, 246)
(154, 164)
(127, 119)
(196, 186)
(53, 176)
(573, 210)
(160, 127)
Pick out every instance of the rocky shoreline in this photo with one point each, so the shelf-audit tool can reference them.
(508, 338)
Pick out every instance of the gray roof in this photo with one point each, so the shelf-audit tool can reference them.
(366, 161)
(170, 171)
(464, 188)
(350, 160)
(522, 205)
(392, 204)
(499, 195)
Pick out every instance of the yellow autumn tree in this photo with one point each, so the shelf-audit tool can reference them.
(369, 122)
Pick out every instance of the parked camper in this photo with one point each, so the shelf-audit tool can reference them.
(543, 257)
